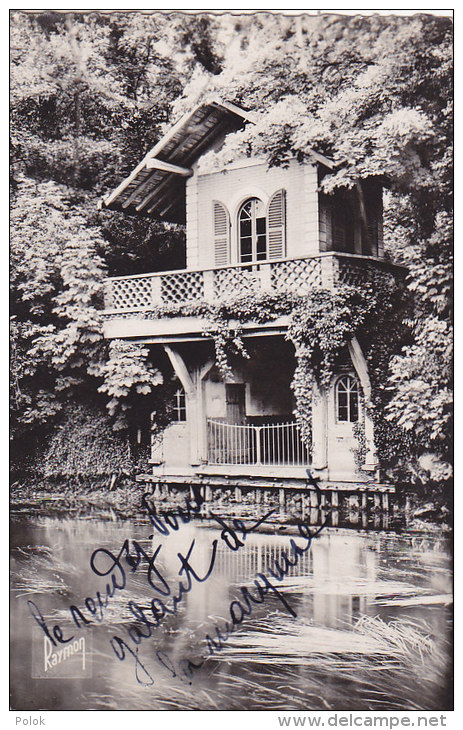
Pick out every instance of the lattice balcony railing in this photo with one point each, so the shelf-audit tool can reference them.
(236, 282)
(356, 271)
(182, 287)
(297, 276)
(128, 293)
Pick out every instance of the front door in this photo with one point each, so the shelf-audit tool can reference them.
(344, 414)
(235, 403)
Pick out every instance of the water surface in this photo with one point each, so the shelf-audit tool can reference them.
(372, 631)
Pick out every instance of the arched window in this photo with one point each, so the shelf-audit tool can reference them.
(347, 399)
(252, 222)
(179, 415)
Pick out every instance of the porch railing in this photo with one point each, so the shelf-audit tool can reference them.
(278, 444)
(145, 292)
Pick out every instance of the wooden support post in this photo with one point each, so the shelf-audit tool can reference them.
(207, 493)
(265, 274)
(257, 495)
(377, 500)
(354, 501)
(156, 294)
(238, 495)
(327, 264)
(385, 501)
(364, 500)
(334, 499)
(208, 279)
(282, 498)
(313, 496)
(165, 491)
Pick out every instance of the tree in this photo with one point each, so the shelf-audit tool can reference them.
(90, 92)
(375, 95)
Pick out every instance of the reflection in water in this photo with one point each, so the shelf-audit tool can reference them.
(371, 632)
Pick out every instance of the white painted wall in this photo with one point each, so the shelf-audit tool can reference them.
(240, 181)
(174, 447)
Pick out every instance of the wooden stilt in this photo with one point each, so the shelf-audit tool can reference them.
(354, 501)
(334, 499)
(313, 496)
(238, 495)
(364, 500)
(282, 497)
(207, 493)
(385, 501)
(377, 500)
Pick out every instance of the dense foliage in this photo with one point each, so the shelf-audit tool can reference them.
(92, 92)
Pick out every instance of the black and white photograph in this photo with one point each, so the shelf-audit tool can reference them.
(231, 363)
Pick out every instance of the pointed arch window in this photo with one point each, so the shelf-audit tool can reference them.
(179, 414)
(347, 399)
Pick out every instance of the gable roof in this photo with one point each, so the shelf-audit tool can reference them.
(156, 186)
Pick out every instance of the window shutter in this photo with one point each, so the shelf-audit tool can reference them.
(276, 225)
(221, 234)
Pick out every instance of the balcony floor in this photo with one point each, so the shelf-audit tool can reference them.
(290, 477)
(178, 329)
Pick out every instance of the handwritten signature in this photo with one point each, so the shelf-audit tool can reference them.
(105, 563)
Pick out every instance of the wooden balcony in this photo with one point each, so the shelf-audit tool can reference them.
(145, 305)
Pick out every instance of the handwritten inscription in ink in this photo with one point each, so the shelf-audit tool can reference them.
(133, 557)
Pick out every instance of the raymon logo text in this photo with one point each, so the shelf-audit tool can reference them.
(52, 656)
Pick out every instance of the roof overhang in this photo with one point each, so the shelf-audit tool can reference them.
(157, 185)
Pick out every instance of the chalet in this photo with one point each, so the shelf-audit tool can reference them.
(250, 229)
